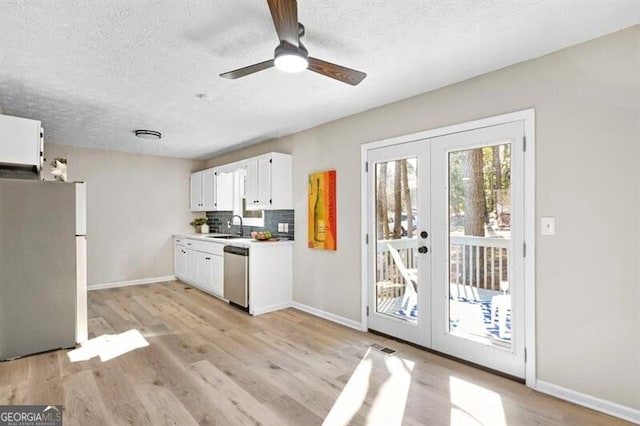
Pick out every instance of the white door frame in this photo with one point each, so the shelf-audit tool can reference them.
(528, 117)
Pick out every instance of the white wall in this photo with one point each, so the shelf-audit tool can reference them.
(134, 205)
(587, 101)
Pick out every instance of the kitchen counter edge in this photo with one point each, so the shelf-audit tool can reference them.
(242, 242)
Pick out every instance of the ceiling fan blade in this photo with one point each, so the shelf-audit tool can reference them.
(340, 73)
(285, 19)
(241, 72)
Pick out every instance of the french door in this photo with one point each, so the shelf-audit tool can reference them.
(445, 219)
(399, 256)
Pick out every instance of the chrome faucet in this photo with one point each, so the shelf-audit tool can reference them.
(241, 231)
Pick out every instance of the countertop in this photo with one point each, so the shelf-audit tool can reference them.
(242, 242)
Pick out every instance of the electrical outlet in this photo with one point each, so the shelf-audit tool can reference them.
(286, 227)
(548, 225)
(281, 227)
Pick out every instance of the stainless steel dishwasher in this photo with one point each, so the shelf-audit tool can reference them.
(236, 276)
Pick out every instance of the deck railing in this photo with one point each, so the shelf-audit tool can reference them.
(386, 267)
(481, 262)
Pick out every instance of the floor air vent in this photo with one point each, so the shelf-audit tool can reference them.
(383, 349)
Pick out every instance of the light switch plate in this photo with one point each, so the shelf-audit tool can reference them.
(281, 227)
(286, 227)
(548, 225)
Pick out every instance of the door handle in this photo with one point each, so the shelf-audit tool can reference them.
(424, 234)
(423, 249)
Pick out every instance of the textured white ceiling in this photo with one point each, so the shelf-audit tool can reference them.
(94, 71)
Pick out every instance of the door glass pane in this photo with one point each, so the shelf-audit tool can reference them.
(396, 239)
(479, 199)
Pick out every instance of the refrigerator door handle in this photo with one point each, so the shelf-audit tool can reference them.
(81, 208)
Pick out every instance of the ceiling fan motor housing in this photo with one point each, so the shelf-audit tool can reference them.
(291, 58)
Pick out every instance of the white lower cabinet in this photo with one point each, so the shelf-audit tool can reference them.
(217, 284)
(200, 264)
(180, 261)
(204, 270)
(192, 266)
(270, 277)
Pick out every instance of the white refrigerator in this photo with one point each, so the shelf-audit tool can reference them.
(43, 266)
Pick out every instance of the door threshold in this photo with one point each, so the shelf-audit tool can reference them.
(451, 357)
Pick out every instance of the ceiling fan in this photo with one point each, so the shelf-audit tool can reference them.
(291, 55)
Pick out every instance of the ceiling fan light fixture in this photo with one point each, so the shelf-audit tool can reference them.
(148, 134)
(290, 59)
(291, 56)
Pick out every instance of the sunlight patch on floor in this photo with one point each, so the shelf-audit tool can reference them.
(352, 396)
(389, 404)
(108, 346)
(388, 398)
(472, 404)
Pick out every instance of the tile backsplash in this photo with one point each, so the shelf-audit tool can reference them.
(218, 220)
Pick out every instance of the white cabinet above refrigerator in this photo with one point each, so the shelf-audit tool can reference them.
(20, 147)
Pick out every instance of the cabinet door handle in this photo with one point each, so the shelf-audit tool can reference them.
(207, 258)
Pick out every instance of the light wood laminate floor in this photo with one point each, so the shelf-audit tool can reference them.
(208, 363)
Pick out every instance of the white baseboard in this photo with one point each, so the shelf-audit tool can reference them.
(102, 286)
(608, 407)
(271, 308)
(327, 315)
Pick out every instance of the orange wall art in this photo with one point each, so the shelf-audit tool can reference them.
(322, 210)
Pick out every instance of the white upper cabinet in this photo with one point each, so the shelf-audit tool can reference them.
(266, 180)
(268, 184)
(203, 191)
(252, 183)
(196, 192)
(224, 189)
(209, 189)
(20, 141)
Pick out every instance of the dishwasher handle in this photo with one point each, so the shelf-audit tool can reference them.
(240, 251)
